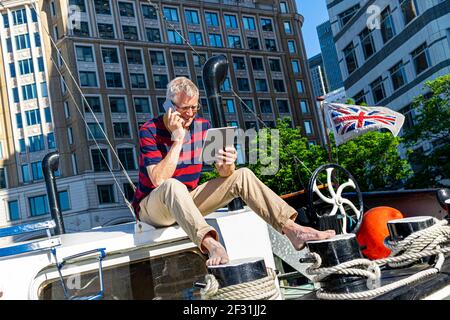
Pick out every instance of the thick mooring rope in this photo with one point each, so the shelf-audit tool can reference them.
(261, 289)
(418, 245)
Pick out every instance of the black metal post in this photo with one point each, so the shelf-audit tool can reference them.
(215, 71)
(49, 166)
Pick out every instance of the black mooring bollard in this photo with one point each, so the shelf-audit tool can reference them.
(334, 251)
(402, 228)
(239, 271)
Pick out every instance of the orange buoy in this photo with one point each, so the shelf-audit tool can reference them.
(374, 230)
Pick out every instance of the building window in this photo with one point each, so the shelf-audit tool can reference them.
(284, 7)
(215, 40)
(299, 84)
(128, 191)
(5, 21)
(44, 90)
(230, 21)
(229, 105)
(199, 60)
(15, 92)
(88, 79)
(243, 84)
(251, 125)
(275, 65)
(350, 58)
(79, 3)
(367, 43)
(278, 85)
(409, 10)
(179, 59)
(253, 43)
(266, 24)
(271, 45)
(106, 194)
(36, 169)
(195, 38)
(34, 16)
(83, 31)
(37, 39)
(126, 156)
(261, 85)
(23, 41)
(134, 56)
(410, 116)
(19, 123)
(345, 16)
(26, 66)
(93, 103)
(296, 66)
(265, 106)
(138, 81)
(249, 23)
(283, 106)
(64, 200)
(191, 16)
(117, 105)
(29, 92)
(234, 42)
(161, 81)
(9, 45)
(19, 17)
(12, 70)
(157, 58)
(100, 162)
(171, 14)
(48, 115)
(257, 64)
(226, 85)
(38, 205)
(95, 131)
(130, 33)
(291, 46)
(41, 64)
(247, 105)
(84, 54)
(421, 59)
(141, 105)
(153, 34)
(70, 135)
(360, 98)
(51, 140)
(122, 130)
(149, 12)
(387, 25)
(308, 127)
(13, 208)
(398, 75)
(113, 79)
(110, 55)
(174, 37)
(304, 106)
(102, 7)
(22, 146)
(2, 178)
(212, 19)
(160, 102)
(126, 9)
(287, 27)
(106, 30)
(239, 63)
(378, 90)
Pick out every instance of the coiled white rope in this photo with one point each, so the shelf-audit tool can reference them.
(261, 289)
(418, 245)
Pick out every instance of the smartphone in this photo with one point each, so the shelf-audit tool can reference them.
(168, 104)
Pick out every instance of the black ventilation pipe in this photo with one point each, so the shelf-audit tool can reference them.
(215, 71)
(49, 166)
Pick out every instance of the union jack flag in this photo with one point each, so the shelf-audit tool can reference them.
(350, 121)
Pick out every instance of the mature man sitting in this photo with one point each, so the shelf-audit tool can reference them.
(168, 190)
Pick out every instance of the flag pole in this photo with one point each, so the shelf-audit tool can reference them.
(321, 99)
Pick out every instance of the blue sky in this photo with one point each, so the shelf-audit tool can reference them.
(315, 12)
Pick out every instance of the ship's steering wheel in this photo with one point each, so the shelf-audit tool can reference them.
(344, 216)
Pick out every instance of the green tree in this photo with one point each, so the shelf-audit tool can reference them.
(432, 125)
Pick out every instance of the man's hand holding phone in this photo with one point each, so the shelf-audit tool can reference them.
(227, 156)
(175, 125)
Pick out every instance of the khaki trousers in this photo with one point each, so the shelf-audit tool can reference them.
(171, 203)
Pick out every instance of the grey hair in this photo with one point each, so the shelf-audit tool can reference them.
(181, 84)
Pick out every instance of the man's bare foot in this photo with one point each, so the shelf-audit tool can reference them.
(216, 252)
(298, 234)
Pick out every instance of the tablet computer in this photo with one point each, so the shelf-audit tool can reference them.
(217, 138)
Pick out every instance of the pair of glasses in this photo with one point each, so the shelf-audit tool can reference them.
(183, 109)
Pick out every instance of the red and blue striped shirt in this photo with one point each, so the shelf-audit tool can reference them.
(155, 142)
